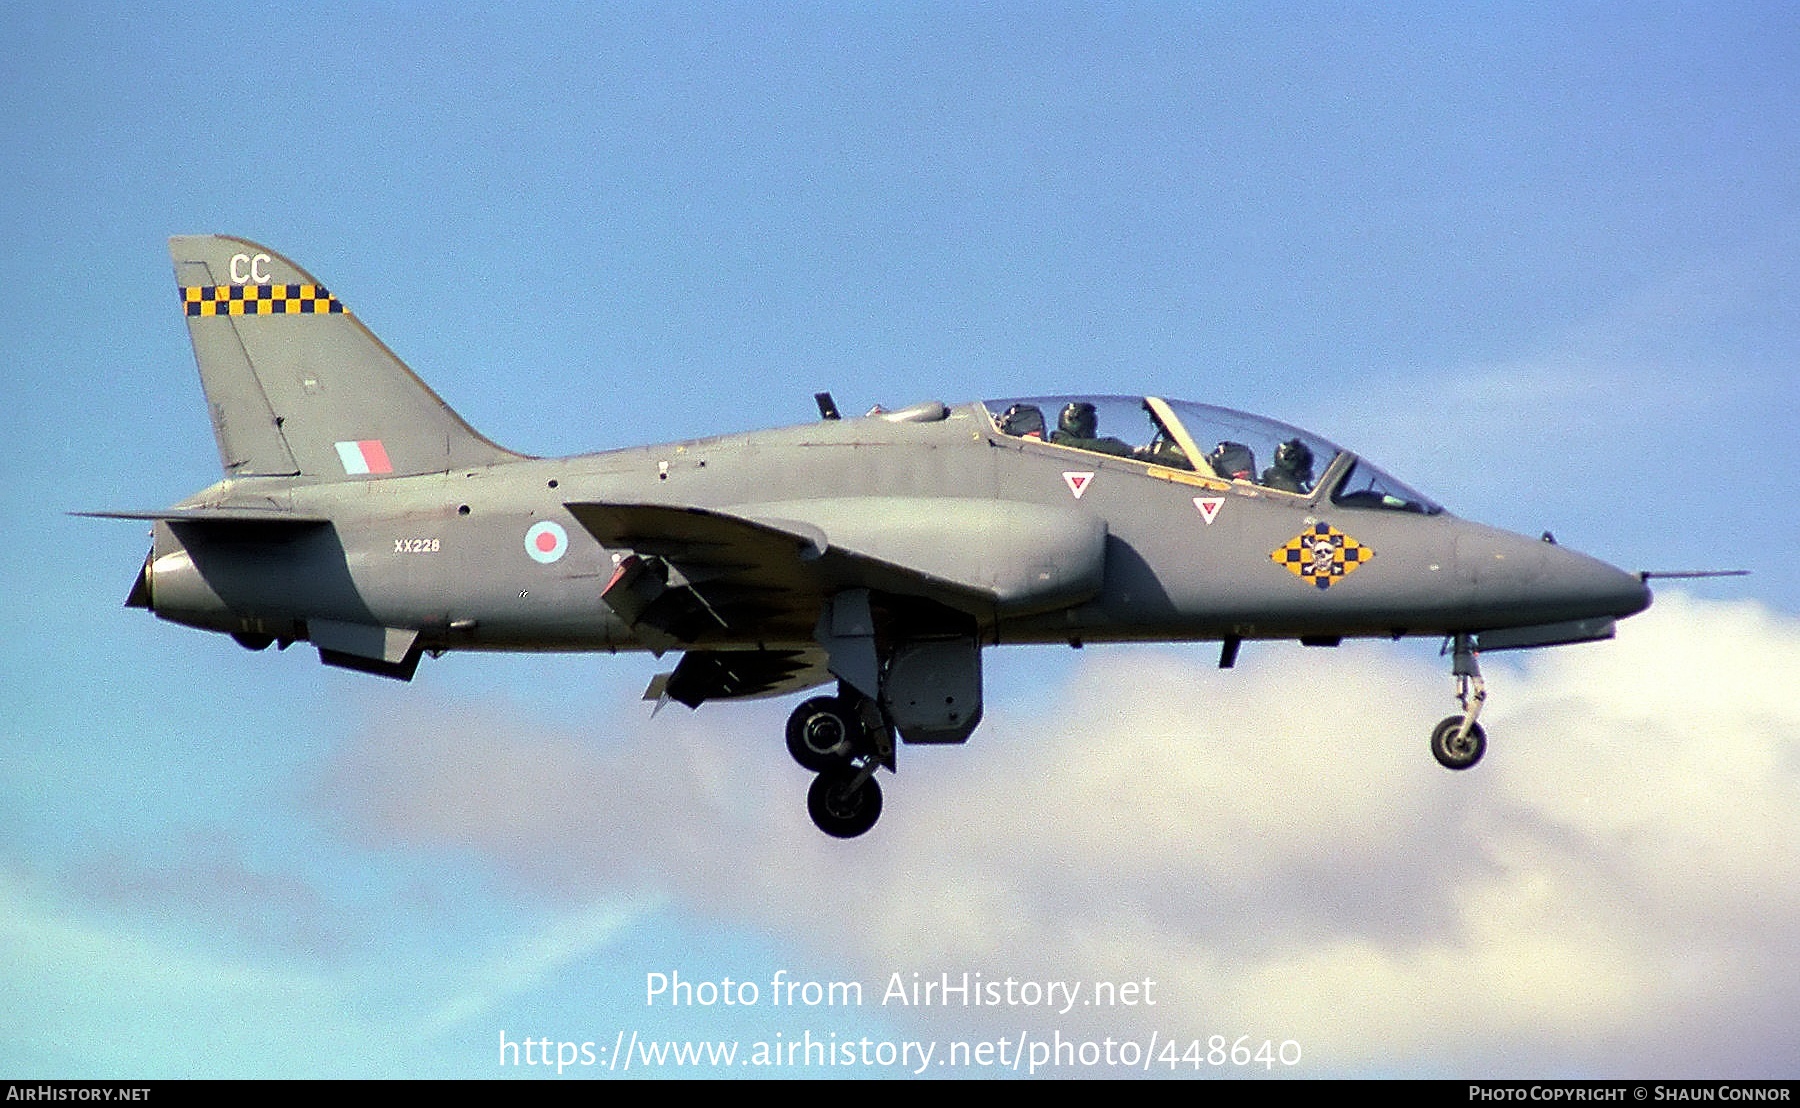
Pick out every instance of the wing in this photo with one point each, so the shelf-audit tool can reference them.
(760, 576)
(760, 573)
(688, 575)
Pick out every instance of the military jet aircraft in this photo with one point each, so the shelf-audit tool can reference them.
(361, 514)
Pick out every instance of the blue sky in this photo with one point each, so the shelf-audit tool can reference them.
(1540, 264)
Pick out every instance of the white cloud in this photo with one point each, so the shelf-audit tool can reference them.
(1615, 890)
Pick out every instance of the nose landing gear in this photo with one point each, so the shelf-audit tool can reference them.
(1458, 742)
(844, 739)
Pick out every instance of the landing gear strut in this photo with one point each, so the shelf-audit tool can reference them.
(1458, 742)
(844, 739)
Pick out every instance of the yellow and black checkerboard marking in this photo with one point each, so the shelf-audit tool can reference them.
(1321, 554)
(258, 300)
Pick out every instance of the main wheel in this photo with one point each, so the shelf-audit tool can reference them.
(839, 812)
(819, 733)
(1452, 754)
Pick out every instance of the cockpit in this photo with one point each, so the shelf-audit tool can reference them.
(1216, 446)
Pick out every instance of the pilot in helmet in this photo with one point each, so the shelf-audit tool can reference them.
(1079, 427)
(1233, 461)
(1078, 420)
(1293, 468)
(1025, 421)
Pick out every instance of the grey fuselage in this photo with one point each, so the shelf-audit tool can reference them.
(946, 509)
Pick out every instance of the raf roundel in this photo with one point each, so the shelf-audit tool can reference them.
(546, 542)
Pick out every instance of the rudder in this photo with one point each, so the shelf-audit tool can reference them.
(296, 385)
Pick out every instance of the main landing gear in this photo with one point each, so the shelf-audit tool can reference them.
(844, 739)
(1458, 742)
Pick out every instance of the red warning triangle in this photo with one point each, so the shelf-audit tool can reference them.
(1209, 507)
(1078, 482)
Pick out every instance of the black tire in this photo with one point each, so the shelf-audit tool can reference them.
(1460, 755)
(819, 734)
(838, 812)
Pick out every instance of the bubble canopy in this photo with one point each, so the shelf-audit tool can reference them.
(1212, 443)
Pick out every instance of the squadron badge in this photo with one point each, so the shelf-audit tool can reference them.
(1321, 554)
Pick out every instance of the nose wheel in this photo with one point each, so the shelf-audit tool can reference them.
(1456, 746)
(843, 739)
(1458, 742)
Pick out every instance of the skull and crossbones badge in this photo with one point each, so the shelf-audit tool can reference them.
(1321, 554)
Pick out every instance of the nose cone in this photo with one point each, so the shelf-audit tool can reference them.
(1596, 588)
(1523, 579)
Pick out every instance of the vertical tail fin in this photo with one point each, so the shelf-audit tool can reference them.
(296, 385)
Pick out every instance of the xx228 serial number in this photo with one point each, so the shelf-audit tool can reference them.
(415, 546)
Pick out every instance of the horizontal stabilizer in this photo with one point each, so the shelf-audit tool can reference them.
(221, 516)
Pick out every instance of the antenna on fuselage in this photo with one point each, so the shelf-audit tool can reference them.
(827, 406)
